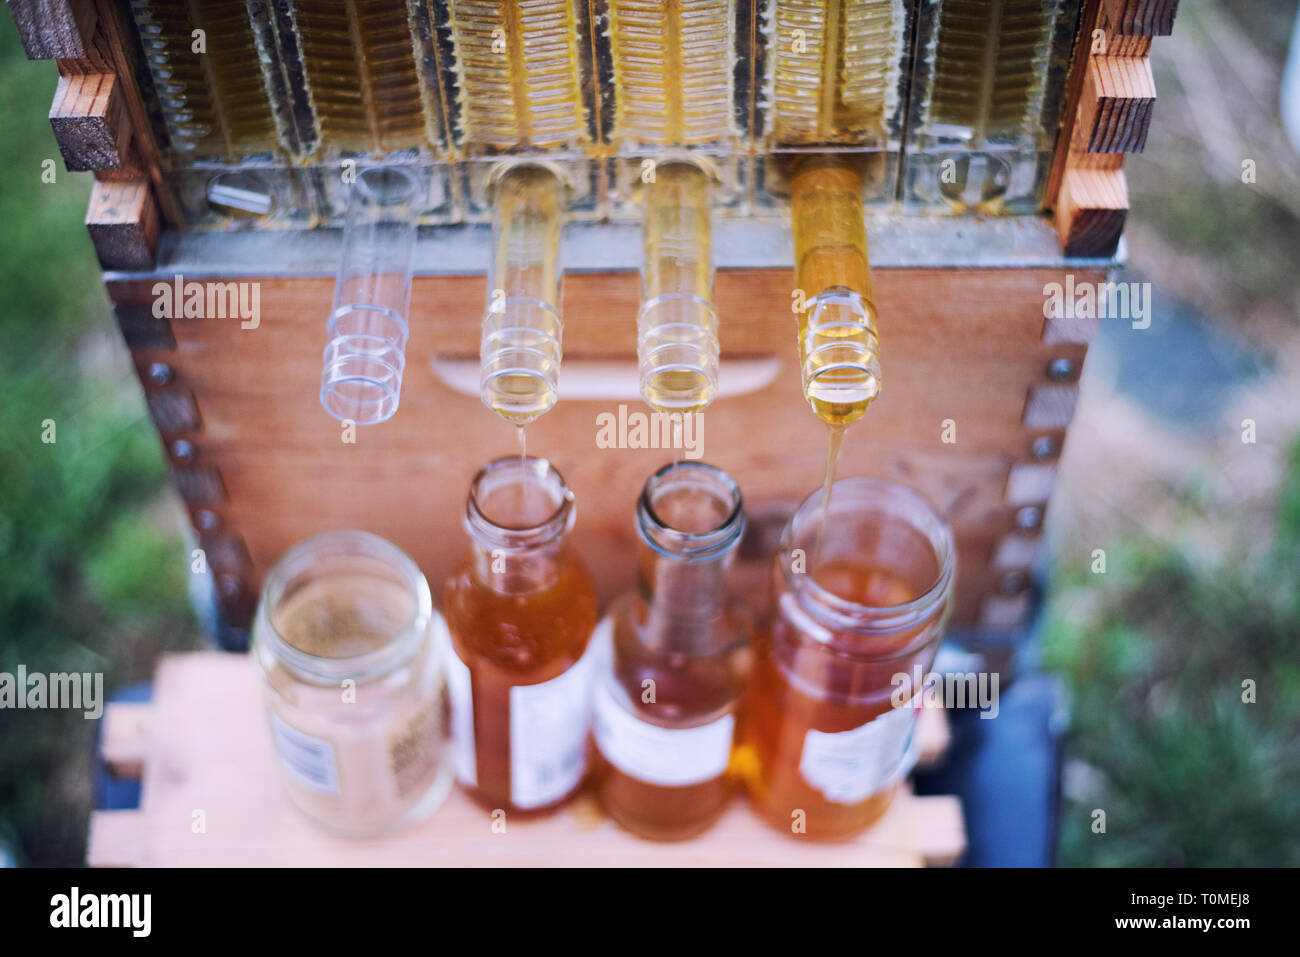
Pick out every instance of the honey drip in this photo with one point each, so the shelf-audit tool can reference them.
(672, 70)
(215, 105)
(359, 59)
(834, 70)
(520, 76)
(989, 68)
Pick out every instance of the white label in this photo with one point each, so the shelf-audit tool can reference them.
(549, 722)
(309, 760)
(850, 766)
(669, 757)
(462, 717)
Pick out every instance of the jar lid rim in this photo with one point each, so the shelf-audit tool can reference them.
(887, 617)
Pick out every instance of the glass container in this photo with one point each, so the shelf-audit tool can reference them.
(352, 654)
(521, 608)
(825, 739)
(669, 683)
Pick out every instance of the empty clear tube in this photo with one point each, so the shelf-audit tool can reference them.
(522, 327)
(365, 357)
(677, 328)
(838, 346)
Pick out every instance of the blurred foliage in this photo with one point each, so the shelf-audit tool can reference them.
(92, 576)
(1187, 773)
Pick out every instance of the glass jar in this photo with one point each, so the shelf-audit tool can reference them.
(669, 681)
(521, 608)
(352, 654)
(823, 744)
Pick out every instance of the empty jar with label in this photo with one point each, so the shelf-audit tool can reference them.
(674, 664)
(830, 720)
(352, 653)
(521, 608)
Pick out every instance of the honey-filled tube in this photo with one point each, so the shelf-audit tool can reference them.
(677, 327)
(669, 683)
(522, 328)
(838, 346)
(521, 608)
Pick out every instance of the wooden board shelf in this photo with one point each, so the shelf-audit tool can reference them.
(202, 745)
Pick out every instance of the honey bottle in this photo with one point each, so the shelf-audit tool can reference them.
(521, 608)
(673, 671)
(829, 726)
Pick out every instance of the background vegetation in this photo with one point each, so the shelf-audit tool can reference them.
(93, 574)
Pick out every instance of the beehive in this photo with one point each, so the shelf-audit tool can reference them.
(224, 165)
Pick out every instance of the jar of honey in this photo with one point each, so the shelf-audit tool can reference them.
(352, 655)
(670, 680)
(521, 608)
(862, 588)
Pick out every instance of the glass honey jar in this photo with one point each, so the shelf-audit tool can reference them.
(352, 655)
(861, 598)
(521, 607)
(670, 678)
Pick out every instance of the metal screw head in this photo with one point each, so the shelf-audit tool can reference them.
(1013, 582)
(160, 374)
(206, 520)
(183, 451)
(1045, 447)
(1029, 519)
(1062, 369)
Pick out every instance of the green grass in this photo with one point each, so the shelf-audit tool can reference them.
(1189, 773)
(92, 573)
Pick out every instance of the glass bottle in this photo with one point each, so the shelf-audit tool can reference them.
(669, 681)
(352, 656)
(829, 722)
(521, 608)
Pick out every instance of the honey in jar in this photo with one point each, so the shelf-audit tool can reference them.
(521, 608)
(860, 604)
(672, 671)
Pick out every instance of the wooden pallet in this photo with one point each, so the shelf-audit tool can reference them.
(202, 745)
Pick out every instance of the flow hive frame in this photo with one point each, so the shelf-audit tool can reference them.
(259, 466)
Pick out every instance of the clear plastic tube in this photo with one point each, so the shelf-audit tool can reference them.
(522, 327)
(838, 346)
(365, 357)
(677, 328)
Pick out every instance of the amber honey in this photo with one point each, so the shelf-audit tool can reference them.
(688, 694)
(521, 608)
(215, 104)
(824, 743)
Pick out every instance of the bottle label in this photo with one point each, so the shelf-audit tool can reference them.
(668, 757)
(549, 723)
(309, 760)
(850, 766)
(413, 748)
(462, 715)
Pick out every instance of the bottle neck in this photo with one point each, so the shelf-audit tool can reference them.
(690, 521)
(516, 571)
(518, 514)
